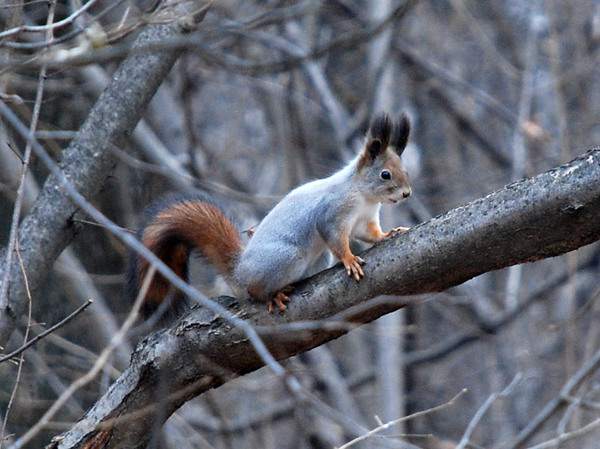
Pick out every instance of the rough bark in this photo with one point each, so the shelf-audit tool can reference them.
(532, 219)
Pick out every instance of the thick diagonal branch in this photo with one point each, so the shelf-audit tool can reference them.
(545, 216)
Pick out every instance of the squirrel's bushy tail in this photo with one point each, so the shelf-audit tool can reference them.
(172, 229)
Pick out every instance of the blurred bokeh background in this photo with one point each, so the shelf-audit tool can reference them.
(269, 94)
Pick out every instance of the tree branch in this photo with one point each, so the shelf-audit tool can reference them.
(86, 163)
(532, 219)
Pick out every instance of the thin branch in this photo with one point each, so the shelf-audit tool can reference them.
(49, 27)
(47, 332)
(561, 399)
(563, 437)
(484, 408)
(389, 424)
(338, 114)
(21, 359)
(216, 58)
(95, 36)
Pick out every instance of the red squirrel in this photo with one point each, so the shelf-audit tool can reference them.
(295, 239)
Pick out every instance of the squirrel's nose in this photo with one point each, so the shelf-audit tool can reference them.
(406, 192)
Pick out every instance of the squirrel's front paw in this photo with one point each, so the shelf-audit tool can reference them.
(398, 230)
(353, 267)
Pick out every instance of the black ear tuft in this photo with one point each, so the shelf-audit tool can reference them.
(400, 133)
(381, 128)
(374, 148)
(378, 136)
(378, 139)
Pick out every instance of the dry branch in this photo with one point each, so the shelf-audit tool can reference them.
(542, 217)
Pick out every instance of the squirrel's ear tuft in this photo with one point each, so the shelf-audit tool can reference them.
(400, 133)
(380, 128)
(378, 136)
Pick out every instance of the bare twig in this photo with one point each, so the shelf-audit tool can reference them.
(47, 332)
(465, 336)
(389, 424)
(483, 409)
(561, 399)
(566, 436)
(51, 26)
(21, 359)
(335, 109)
(217, 58)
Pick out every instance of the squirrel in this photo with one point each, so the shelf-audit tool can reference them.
(294, 240)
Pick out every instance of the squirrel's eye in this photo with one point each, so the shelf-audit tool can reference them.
(385, 175)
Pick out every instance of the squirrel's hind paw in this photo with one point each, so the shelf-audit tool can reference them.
(280, 298)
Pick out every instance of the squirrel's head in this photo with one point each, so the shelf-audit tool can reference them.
(380, 165)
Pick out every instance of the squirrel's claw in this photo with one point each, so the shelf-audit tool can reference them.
(353, 267)
(398, 230)
(280, 298)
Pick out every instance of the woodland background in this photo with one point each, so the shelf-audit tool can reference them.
(496, 91)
